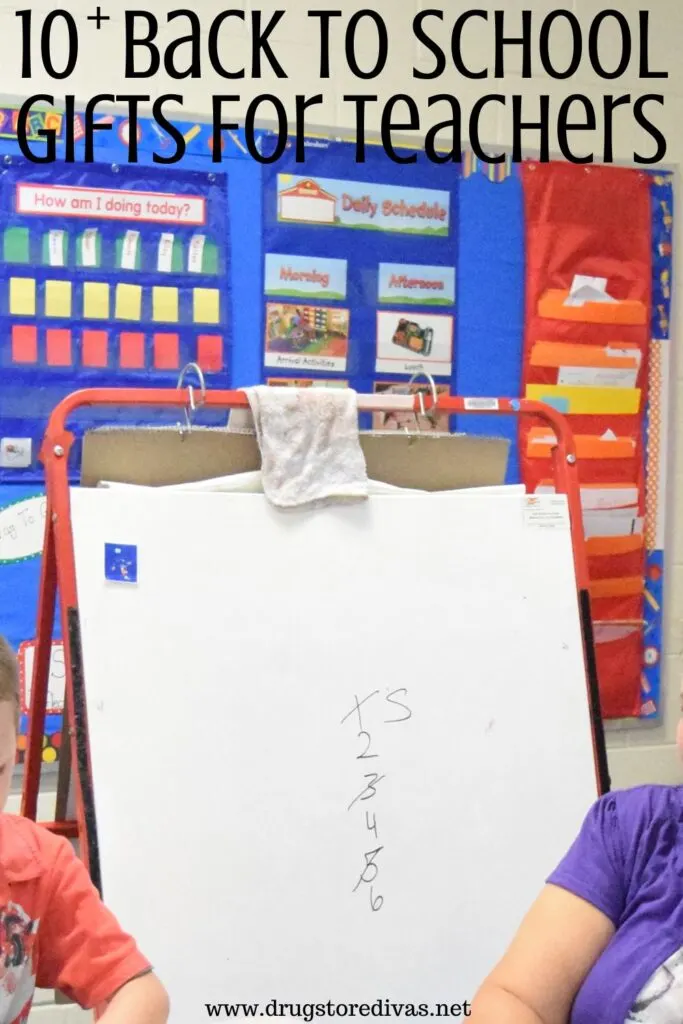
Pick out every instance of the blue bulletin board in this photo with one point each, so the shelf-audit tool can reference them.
(456, 275)
(328, 273)
(107, 277)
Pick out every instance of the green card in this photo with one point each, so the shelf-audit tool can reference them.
(16, 245)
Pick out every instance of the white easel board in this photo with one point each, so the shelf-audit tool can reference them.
(236, 809)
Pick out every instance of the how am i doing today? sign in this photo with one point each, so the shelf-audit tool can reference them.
(110, 204)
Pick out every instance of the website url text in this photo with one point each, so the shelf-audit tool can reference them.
(309, 1011)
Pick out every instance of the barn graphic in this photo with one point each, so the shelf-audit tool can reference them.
(306, 202)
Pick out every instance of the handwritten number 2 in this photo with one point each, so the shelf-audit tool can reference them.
(365, 755)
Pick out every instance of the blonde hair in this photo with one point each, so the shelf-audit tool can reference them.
(9, 675)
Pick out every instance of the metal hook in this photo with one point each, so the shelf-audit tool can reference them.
(193, 404)
(430, 414)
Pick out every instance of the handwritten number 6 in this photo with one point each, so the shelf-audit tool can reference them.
(376, 902)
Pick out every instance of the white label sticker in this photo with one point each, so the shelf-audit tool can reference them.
(15, 452)
(546, 511)
(56, 248)
(22, 528)
(479, 404)
(599, 377)
(129, 251)
(195, 256)
(165, 253)
(89, 247)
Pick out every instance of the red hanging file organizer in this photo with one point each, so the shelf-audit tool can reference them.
(589, 350)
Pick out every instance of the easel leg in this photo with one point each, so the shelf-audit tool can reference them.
(594, 693)
(41, 671)
(567, 481)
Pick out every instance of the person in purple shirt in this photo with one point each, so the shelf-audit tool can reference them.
(603, 943)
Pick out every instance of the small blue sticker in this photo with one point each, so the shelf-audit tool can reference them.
(121, 563)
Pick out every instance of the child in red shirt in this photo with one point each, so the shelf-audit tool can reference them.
(55, 932)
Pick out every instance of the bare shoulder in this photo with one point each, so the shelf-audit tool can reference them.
(556, 946)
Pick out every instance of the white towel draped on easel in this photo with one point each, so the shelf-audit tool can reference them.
(309, 442)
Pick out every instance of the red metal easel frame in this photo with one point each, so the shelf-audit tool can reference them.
(58, 575)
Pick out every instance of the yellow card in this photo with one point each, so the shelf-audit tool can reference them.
(22, 296)
(58, 298)
(586, 401)
(207, 306)
(165, 305)
(95, 300)
(128, 302)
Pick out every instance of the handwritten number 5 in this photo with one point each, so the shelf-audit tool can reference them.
(370, 871)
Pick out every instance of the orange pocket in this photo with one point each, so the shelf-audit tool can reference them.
(622, 586)
(617, 356)
(541, 442)
(597, 547)
(552, 306)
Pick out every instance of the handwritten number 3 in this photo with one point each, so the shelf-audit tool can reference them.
(369, 791)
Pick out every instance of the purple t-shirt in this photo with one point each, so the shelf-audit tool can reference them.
(628, 862)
